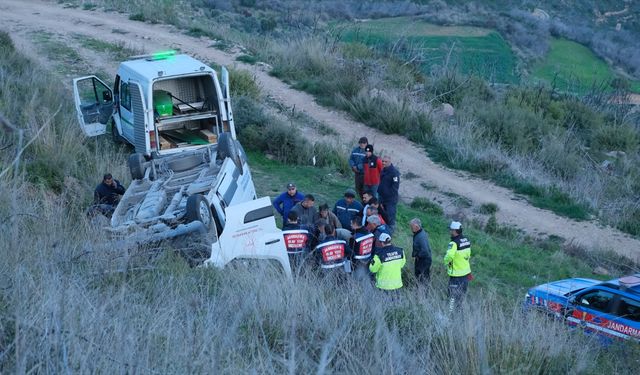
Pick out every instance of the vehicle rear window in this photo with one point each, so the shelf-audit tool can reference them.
(125, 96)
(629, 309)
(597, 300)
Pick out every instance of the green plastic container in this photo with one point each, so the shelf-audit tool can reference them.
(162, 103)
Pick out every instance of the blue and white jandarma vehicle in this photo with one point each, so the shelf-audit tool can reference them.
(610, 309)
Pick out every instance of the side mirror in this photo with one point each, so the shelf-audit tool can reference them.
(106, 96)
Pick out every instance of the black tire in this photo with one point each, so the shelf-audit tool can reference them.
(227, 148)
(115, 135)
(198, 209)
(136, 166)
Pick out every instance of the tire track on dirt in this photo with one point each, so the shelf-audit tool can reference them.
(21, 17)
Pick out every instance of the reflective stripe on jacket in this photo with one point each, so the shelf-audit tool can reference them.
(457, 257)
(387, 265)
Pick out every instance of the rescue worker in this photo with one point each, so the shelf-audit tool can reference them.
(287, 200)
(306, 211)
(107, 195)
(346, 208)
(388, 191)
(457, 262)
(387, 263)
(356, 163)
(331, 252)
(296, 239)
(361, 245)
(372, 169)
(421, 251)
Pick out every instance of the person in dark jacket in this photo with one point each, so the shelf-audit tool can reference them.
(306, 211)
(285, 201)
(421, 251)
(107, 194)
(356, 163)
(345, 209)
(388, 191)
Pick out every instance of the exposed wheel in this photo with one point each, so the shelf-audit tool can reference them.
(115, 135)
(227, 148)
(198, 209)
(136, 166)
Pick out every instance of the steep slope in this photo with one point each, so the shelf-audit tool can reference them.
(21, 19)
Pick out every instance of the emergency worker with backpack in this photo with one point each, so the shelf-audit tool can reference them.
(361, 245)
(296, 239)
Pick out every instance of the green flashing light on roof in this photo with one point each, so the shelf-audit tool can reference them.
(162, 55)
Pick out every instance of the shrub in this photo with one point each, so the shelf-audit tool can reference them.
(488, 209)
(249, 59)
(138, 17)
(6, 44)
(426, 206)
(243, 83)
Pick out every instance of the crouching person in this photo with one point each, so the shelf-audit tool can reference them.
(107, 196)
(331, 253)
(387, 264)
(297, 240)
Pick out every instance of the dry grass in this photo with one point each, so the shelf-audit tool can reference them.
(63, 311)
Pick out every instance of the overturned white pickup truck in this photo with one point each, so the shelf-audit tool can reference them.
(191, 181)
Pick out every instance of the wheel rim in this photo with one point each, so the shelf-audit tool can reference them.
(205, 217)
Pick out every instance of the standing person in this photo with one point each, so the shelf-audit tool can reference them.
(356, 163)
(346, 208)
(388, 191)
(387, 264)
(287, 200)
(372, 169)
(306, 211)
(361, 245)
(366, 197)
(421, 251)
(457, 261)
(107, 194)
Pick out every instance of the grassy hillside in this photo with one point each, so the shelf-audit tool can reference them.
(473, 50)
(71, 302)
(575, 68)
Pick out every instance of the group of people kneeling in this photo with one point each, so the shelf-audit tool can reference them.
(354, 238)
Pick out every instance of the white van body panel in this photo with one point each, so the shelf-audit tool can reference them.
(250, 233)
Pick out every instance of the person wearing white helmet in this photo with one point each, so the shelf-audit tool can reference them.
(456, 260)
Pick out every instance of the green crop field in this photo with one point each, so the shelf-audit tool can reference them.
(574, 67)
(473, 49)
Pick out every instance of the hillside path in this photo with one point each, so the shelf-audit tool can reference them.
(23, 18)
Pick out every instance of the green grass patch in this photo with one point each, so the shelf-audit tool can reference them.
(473, 50)
(249, 59)
(138, 17)
(548, 198)
(488, 208)
(575, 68)
(426, 206)
(116, 50)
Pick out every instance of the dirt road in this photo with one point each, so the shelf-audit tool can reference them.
(23, 18)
